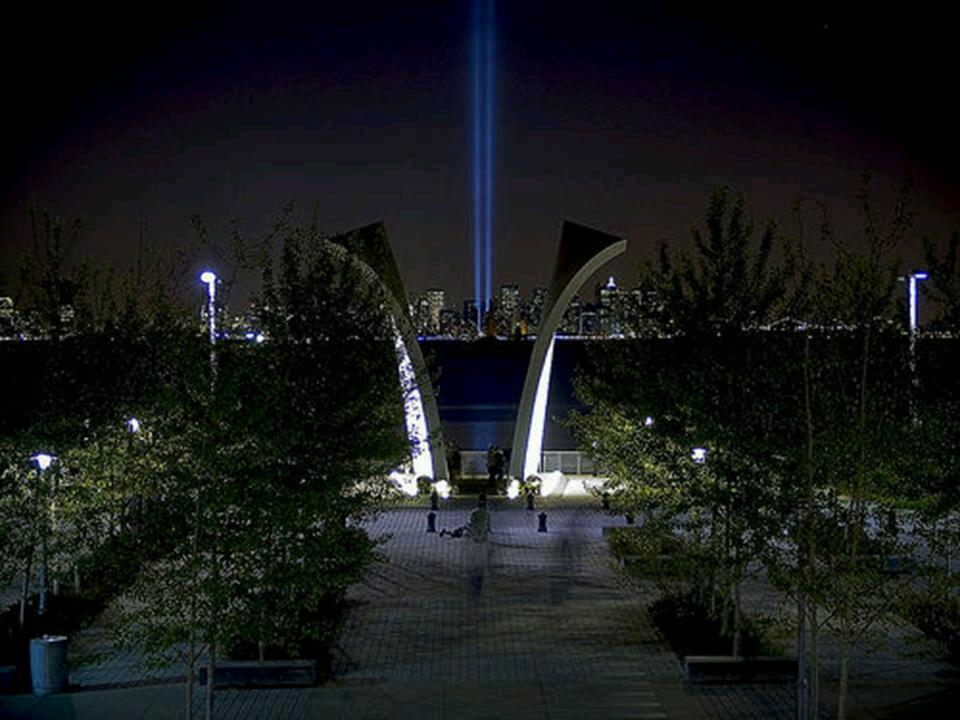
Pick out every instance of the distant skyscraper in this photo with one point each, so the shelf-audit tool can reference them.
(420, 314)
(508, 309)
(435, 304)
(534, 310)
(607, 292)
(471, 312)
(451, 323)
(571, 318)
(7, 317)
(609, 302)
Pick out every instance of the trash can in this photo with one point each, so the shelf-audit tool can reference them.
(48, 664)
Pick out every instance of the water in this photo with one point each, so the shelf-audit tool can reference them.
(479, 387)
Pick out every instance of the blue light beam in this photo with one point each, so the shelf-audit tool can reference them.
(482, 205)
(477, 215)
(488, 169)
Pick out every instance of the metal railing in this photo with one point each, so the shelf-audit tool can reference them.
(569, 462)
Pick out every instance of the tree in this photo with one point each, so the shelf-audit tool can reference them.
(278, 450)
(854, 414)
(944, 285)
(712, 383)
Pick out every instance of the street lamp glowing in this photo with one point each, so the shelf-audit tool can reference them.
(43, 460)
(209, 278)
(648, 422)
(914, 277)
(698, 454)
(134, 425)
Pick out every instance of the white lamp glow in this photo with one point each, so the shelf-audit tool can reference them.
(43, 460)
(210, 279)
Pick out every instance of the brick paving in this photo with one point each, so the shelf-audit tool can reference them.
(553, 631)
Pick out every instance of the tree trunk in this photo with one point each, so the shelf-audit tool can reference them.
(211, 670)
(736, 618)
(214, 620)
(814, 664)
(192, 621)
(191, 675)
(802, 712)
(808, 680)
(844, 678)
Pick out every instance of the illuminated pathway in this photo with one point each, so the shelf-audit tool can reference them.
(551, 635)
(555, 633)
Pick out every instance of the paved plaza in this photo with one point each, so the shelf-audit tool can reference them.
(526, 625)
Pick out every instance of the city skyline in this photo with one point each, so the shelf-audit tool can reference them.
(619, 119)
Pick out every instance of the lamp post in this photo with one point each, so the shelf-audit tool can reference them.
(912, 280)
(209, 278)
(44, 461)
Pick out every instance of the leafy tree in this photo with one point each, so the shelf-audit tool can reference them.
(279, 449)
(854, 414)
(711, 383)
(944, 284)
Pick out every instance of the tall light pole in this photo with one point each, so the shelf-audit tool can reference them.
(912, 280)
(209, 278)
(44, 461)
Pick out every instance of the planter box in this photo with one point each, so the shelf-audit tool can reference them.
(892, 564)
(634, 560)
(268, 673)
(7, 673)
(730, 669)
(608, 529)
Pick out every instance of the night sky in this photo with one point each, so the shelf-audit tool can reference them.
(624, 120)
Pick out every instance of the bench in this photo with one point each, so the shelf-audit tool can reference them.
(730, 669)
(265, 673)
